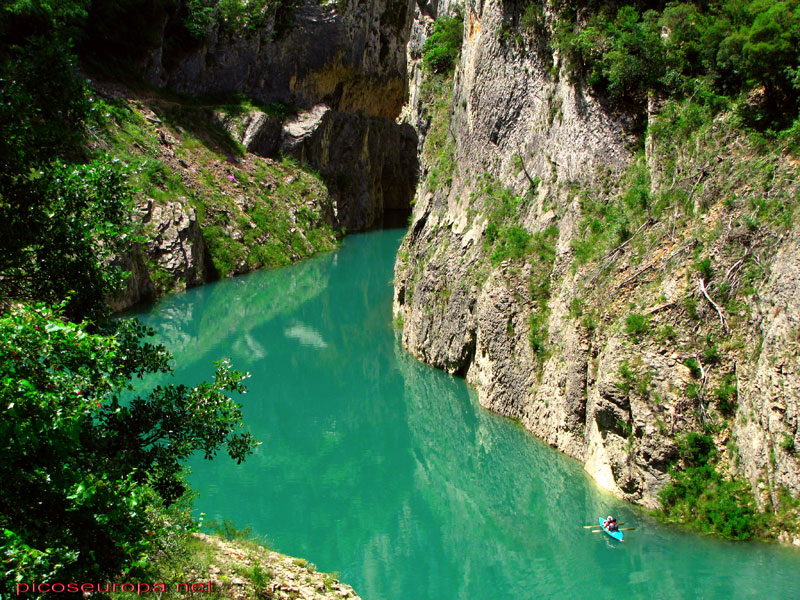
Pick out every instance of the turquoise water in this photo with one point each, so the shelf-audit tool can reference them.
(389, 472)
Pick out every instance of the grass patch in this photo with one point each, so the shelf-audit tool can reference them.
(637, 325)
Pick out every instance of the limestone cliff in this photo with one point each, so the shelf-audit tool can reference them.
(206, 208)
(609, 347)
(343, 66)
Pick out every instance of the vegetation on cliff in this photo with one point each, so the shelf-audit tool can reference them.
(443, 46)
(254, 211)
(724, 77)
(688, 49)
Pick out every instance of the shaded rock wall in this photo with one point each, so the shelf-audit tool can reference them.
(349, 57)
(352, 59)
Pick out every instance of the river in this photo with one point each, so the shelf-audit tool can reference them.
(389, 472)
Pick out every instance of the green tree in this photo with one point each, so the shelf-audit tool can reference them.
(62, 216)
(87, 463)
(773, 43)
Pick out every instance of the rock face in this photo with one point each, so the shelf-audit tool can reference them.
(343, 64)
(348, 55)
(340, 70)
(176, 243)
(501, 101)
(244, 570)
(368, 163)
(544, 337)
(175, 249)
(138, 287)
(769, 436)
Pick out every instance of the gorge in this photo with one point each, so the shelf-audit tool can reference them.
(599, 246)
(610, 349)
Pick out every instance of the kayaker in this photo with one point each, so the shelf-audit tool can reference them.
(611, 524)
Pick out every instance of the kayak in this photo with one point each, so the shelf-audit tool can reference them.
(617, 535)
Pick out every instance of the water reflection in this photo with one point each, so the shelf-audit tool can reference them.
(217, 319)
(305, 335)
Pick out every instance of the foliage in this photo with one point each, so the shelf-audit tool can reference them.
(543, 255)
(732, 47)
(60, 218)
(725, 394)
(443, 46)
(439, 147)
(705, 268)
(60, 226)
(636, 325)
(694, 367)
(241, 17)
(107, 31)
(86, 462)
(90, 468)
(532, 18)
(511, 243)
(617, 52)
(610, 220)
(699, 496)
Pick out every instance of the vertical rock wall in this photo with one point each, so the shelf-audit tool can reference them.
(614, 401)
(344, 66)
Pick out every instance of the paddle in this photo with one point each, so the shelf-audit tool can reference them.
(620, 529)
(590, 526)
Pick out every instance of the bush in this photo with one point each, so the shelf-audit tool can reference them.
(725, 394)
(636, 325)
(533, 19)
(510, 243)
(442, 48)
(704, 267)
(537, 336)
(694, 367)
(726, 48)
(700, 497)
(622, 55)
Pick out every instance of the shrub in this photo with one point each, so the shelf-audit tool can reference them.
(537, 336)
(636, 325)
(442, 48)
(627, 377)
(700, 497)
(510, 242)
(711, 354)
(532, 18)
(696, 449)
(725, 393)
(666, 333)
(85, 475)
(712, 50)
(704, 267)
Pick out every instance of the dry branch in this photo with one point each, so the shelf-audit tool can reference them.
(702, 285)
